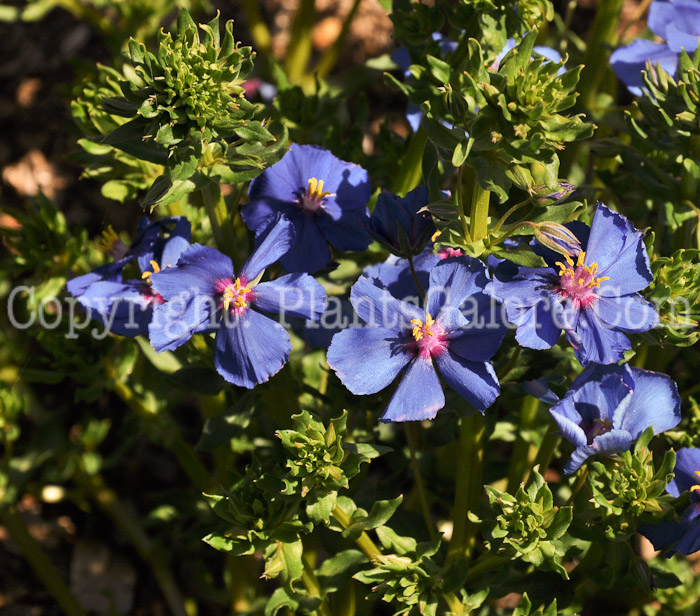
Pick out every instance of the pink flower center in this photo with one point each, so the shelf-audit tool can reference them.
(312, 200)
(578, 282)
(428, 337)
(235, 295)
(448, 251)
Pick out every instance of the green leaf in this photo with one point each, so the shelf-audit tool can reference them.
(319, 506)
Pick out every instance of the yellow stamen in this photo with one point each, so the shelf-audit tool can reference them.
(591, 270)
(108, 240)
(156, 269)
(237, 300)
(436, 235)
(419, 330)
(316, 189)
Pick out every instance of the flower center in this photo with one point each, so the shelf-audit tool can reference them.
(236, 296)
(312, 199)
(578, 281)
(428, 336)
(598, 427)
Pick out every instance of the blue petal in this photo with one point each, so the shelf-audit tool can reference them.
(294, 295)
(655, 403)
(122, 307)
(690, 541)
(257, 212)
(395, 274)
(272, 241)
(419, 394)
(568, 419)
(595, 342)
(618, 249)
(414, 116)
(111, 271)
(198, 272)
(348, 232)
(687, 462)
(628, 313)
(377, 307)
(667, 18)
(663, 534)
(368, 359)
(629, 62)
(475, 381)
(578, 457)
(615, 441)
(483, 333)
(174, 322)
(166, 250)
(309, 252)
(250, 349)
(452, 281)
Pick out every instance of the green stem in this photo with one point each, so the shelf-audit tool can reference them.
(39, 561)
(479, 214)
(368, 547)
(509, 213)
(311, 582)
(414, 274)
(545, 452)
(411, 167)
(259, 32)
(371, 551)
(461, 206)
(299, 50)
(218, 214)
(468, 485)
(330, 57)
(602, 39)
(129, 524)
(583, 473)
(412, 429)
(172, 438)
(689, 183)
(487, 563)
(523, 451)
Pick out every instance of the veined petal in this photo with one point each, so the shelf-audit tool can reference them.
(596, 343)
(628, 313)
(377, 307)
(683, 13)
(618, 249)
(272, 242)
(419, 394)
(250, 349)
(121, 306)
(348, 232)
(475, 381)
(482, 333)
(655, 403)
(174, 322)
(295, 295)
(570, 428)
(367, 359)
(578, 457)
(452, 281)
(309, 252)
(258, 211)
(615, 441)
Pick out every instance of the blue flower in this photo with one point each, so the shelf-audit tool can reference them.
(591, 295)
(397, 224)
(685, 533)
(675, 21)
(402, 339)
(322, 196)
(608, 408)
(203, 293)
(126, 306)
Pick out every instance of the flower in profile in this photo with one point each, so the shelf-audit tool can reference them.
(203, 293)
(682, 536)
(445, 338)
(126, 306)
(398, 224)
(677, 22)
(592, 295)
(608, 408)
(325, 199)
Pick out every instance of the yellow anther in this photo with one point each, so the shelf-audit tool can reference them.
(316, 189)
(588, 270)
(581, 257)
(108, 240)
(420, 330)
(156, 269)
(235, 295)
(436, 235)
